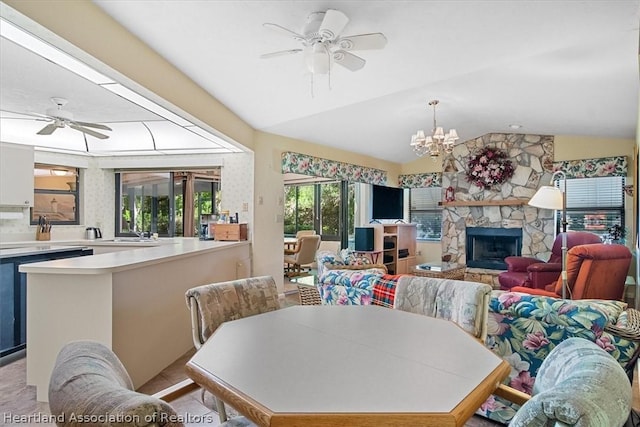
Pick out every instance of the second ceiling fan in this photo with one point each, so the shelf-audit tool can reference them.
(61, 118)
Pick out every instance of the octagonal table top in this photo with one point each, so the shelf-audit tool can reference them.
(347, 365)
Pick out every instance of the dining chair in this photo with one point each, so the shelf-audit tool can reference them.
(89, 382)
(213, 304)
(301, 233)
(579, 384)
(464, 303)
(303, 254)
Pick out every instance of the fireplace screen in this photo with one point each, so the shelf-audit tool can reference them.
(488, 247)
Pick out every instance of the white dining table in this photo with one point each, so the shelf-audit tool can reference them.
(347, 366)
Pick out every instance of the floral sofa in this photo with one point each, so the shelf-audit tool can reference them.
(523, 329)
(346, 259)
(345, 278)
(350, 287)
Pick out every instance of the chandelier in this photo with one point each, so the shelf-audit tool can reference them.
(436, 143)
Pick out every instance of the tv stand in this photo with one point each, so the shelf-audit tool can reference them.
(393, 240)
(374, 221)
(399, 221)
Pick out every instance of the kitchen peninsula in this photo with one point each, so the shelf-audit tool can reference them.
(132, 301)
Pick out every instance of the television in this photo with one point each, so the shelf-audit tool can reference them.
(388, 202)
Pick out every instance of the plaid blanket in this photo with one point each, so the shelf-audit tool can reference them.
(384, 290)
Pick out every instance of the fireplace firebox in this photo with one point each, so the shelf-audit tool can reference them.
(487, 247)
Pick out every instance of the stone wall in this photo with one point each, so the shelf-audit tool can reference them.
(532, 158)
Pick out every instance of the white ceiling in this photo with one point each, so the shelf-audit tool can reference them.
(554, 67)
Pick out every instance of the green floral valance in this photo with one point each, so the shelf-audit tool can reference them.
(592, 168)
(420, 180)
(315, 166)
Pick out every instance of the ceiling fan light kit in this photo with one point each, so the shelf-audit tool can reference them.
(436, 143)
(322, 45)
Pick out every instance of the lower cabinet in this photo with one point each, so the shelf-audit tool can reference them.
(13, 297)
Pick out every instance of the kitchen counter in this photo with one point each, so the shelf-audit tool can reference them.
(142, 254)
(36, 250)
(86, 242)
(133, 301)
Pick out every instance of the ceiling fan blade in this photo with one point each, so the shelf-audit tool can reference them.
(332, 25)
(283, 30)
(92, 125)
(348, 60)
(280, 53)
(88, 131)
(362, 42)
(48, 129)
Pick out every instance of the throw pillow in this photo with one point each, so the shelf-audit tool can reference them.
(384, 290)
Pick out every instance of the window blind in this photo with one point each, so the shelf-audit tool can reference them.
(426, 198)
(425, 212)
(601, 192)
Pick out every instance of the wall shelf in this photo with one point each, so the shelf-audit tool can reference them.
(505, 202)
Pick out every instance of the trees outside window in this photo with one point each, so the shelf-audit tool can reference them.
(153, 201)
(326, 207)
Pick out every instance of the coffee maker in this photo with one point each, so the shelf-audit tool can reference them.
(206, 232)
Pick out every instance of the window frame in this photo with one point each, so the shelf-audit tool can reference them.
(435, 209)
(591, 209)
(47, 192)
(345, 208)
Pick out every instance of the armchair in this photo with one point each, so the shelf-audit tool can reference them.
(89, 383)
(524, 329)
(578, 384)
(596, 271)
(535, 273)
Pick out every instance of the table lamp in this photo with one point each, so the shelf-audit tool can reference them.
(551, 197)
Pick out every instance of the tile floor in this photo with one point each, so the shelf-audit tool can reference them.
(16, 398)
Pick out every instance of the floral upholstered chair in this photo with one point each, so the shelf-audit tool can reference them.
(523, 329)
(464, 303)
(578, 384)
(211, 305)
(89, 381)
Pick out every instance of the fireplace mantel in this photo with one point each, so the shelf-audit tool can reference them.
(503, 202)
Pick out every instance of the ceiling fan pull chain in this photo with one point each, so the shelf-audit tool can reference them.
(312, 94)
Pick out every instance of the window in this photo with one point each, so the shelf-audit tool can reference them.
(425, 212)
(55, 194)
(594, 204)
(326, 207)
(153, 201)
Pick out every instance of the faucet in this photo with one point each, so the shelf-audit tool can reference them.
(140, 234)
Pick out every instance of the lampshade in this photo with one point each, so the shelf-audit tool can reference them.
(547, 197)
(317, 58)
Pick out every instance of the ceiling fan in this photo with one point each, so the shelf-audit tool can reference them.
(61, 118)
(322, 44)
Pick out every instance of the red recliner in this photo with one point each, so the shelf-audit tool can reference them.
(535, 273)
(595, 271)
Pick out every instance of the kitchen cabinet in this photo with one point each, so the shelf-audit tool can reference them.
(16, 182)
(230, 231)
(13, 291)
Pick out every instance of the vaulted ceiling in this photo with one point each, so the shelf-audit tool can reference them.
(553, 67)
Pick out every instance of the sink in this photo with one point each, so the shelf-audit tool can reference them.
(134, 239)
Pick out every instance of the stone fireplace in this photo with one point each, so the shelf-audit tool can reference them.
(502, 207)
(487, 247)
